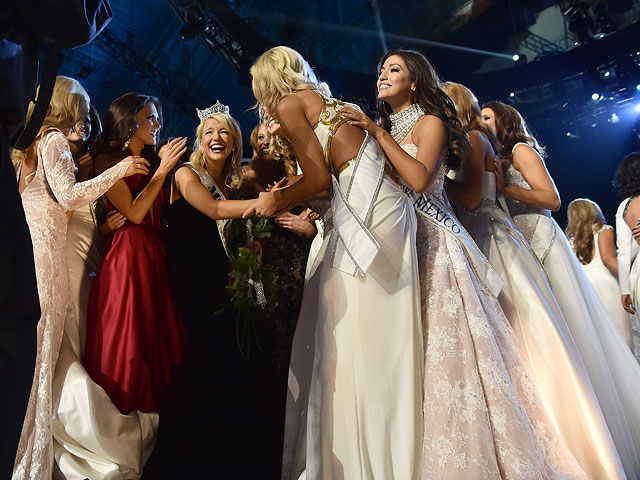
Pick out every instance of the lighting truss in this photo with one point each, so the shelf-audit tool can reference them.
(172, 90)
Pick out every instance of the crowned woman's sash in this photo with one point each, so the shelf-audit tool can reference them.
(354, 247)
(430, 208)
(208, 182)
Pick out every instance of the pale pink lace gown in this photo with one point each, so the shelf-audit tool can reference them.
(46, 199)
(483, 416)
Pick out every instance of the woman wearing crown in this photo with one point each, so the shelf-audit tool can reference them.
(220, 398)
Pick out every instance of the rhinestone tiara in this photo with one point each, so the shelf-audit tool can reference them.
(215, 108)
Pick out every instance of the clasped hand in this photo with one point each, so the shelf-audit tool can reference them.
(266, 205)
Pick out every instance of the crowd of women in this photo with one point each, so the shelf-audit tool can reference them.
(432, 319)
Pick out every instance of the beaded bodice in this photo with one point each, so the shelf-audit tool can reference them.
(524, 216)
(516, 207)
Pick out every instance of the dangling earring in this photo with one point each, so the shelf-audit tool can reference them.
(127, 141)
(203, 161)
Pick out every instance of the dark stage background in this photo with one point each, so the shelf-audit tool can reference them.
(192, 53)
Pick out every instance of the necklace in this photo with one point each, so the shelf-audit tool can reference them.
(403, 121)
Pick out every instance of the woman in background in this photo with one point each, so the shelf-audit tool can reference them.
(627, 218)
(527, 299)
(531, 194)
(593, 241)
(84, 240)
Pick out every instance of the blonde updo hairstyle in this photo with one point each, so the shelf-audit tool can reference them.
(231, 172)
(584, 220)
(279, 72)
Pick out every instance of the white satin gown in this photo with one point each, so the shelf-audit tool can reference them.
(612, 369)
(537, 320)
(606, 284)
(354, 406)
(628, 269)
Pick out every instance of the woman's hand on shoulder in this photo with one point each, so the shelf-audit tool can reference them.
(360, 119)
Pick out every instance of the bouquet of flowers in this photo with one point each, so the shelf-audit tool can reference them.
(252, 284)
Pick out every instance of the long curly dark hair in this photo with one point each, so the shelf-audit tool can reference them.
(510, 130)
(627, 179)
(120, 123)
(431, 97)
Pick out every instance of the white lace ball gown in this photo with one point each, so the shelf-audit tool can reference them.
(483, 416)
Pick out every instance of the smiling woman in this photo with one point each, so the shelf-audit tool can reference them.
(135, 338)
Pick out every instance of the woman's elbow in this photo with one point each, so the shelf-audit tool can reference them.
(133, 218)
(554, 202)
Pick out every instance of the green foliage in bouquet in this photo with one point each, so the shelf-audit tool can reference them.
(252, 285)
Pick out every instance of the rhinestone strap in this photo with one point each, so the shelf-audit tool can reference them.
(403, 121)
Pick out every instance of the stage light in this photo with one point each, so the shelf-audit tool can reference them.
(637, 109)
(638, 87)
(512, 94)
(614, 118)
(568, 134)
(607, 74)
(594, 125)
(595, 97)
(516, 57)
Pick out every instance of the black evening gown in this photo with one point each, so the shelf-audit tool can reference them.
(219, 426)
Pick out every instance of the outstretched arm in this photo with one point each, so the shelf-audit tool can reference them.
(316, 177)
(59, 170)
(190, 187)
